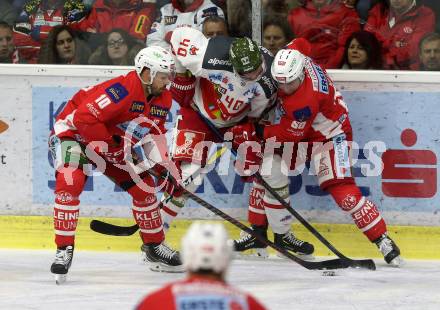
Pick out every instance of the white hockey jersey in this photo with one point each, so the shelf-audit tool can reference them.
(221, 95)
(171, 17)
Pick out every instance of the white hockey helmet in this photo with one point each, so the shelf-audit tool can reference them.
(287, 66)
(205, 247)
(155, 58)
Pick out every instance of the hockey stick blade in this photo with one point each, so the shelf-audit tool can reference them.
(368, 264)
(361, 263)
(112, 230)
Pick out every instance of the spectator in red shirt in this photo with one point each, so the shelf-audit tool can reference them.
(134, 16)
(399, 27)
(326, 24)
(206, 255)
(362, 51)
(36, 20)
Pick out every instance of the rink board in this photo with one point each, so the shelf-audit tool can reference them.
(36, 232)
(402, 102)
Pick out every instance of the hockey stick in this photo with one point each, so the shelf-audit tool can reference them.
(326, 264)
(116, 230)
(355, 263)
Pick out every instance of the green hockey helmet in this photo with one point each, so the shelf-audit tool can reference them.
(245, 55)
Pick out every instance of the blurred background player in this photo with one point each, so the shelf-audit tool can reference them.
(312, 110)
(206, 256)
(178, 13)
(232, 82)
(116, 114)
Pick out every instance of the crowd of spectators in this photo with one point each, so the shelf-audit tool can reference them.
(348, 34)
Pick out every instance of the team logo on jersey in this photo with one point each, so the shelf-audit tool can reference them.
(116, 92)
(193, 50)
(169, 20)
(64, 197)
(137, 107)
(157, 111)
(349, 202)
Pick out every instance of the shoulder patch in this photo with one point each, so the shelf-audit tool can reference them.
(116, 92)
(158, 111)
(303, 114)
(318, 77)
(170, 20)
(137, 107)
(217, 54)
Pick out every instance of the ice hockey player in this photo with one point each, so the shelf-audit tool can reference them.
(232, 82)
(206, 255)
(180, 13)
(129, 107)
(312, 110)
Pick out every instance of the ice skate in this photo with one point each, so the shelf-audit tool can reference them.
(249, 242)
(61, 264)
(161, 258)
(389, 250)
(289, 242)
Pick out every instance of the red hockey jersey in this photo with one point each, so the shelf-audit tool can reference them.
(199, 293)
(99, 112)
(315, 112)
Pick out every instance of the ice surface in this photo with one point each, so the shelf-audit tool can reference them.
(109, 280)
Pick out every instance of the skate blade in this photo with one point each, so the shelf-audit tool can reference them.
(252, 254)
(60, 278)
(397, 262)
(306, 257)
(160, 267)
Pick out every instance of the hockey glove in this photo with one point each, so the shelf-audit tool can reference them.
(182, 89)
(249, 156)
(115, 150)
(166, 181)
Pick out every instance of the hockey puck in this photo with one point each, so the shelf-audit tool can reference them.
(329, 273)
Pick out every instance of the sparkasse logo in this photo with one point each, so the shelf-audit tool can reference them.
(3, 126)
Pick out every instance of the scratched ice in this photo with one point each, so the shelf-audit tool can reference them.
(99, 280)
